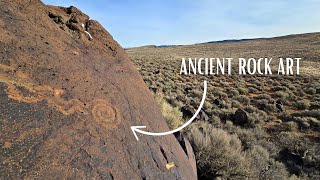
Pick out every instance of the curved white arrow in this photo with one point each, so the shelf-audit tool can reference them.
(136, 129)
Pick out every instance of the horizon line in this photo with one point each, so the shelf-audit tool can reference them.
(231, 40)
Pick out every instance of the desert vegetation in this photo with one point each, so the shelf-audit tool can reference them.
(251, 127)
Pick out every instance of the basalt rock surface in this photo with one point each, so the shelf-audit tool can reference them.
(69, 95)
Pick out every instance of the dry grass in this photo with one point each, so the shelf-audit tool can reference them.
(172, 115)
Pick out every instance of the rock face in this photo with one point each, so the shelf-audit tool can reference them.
(68, 102)
(185, 144)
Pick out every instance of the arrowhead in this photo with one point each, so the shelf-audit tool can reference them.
(135, 129)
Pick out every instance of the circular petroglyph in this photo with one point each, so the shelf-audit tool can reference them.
(105, 114)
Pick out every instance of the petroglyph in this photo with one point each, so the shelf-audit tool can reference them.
(17, 80)
(21, 88)
(105, 114)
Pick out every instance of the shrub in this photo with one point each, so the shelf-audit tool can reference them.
(215, 121)
(207, 106)
(250, 137)
(271, 107)
(250, 109)
(264, 96)
(283, 95)
(243, 90)
(261, 103)
(218, 153)
(253, 90)
(311, 113)
(264, 167)
(314, 122)
(228, 125)
(258, 117)
(197, 93)
(233, 92)
(235, 104)
(291, 126)
(220, 94)
(311, 91)
(243, 100)
(303, 104)
(303, 148)
(280, 88)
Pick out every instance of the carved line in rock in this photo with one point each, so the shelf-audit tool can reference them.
(102, 111)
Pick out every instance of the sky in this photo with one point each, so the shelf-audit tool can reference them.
(173, 22)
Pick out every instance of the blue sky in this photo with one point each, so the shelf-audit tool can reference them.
(164, 22)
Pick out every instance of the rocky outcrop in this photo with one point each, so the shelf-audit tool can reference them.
(68, 102)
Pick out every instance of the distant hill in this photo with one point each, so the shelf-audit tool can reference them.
(251, 39)
(305, 35)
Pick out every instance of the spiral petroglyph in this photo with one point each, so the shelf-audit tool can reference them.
(105, 114)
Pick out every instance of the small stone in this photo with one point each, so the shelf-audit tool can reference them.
(170, 165)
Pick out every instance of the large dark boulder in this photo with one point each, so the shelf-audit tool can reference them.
(68, 102)
(187, 111)
(241, 118)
